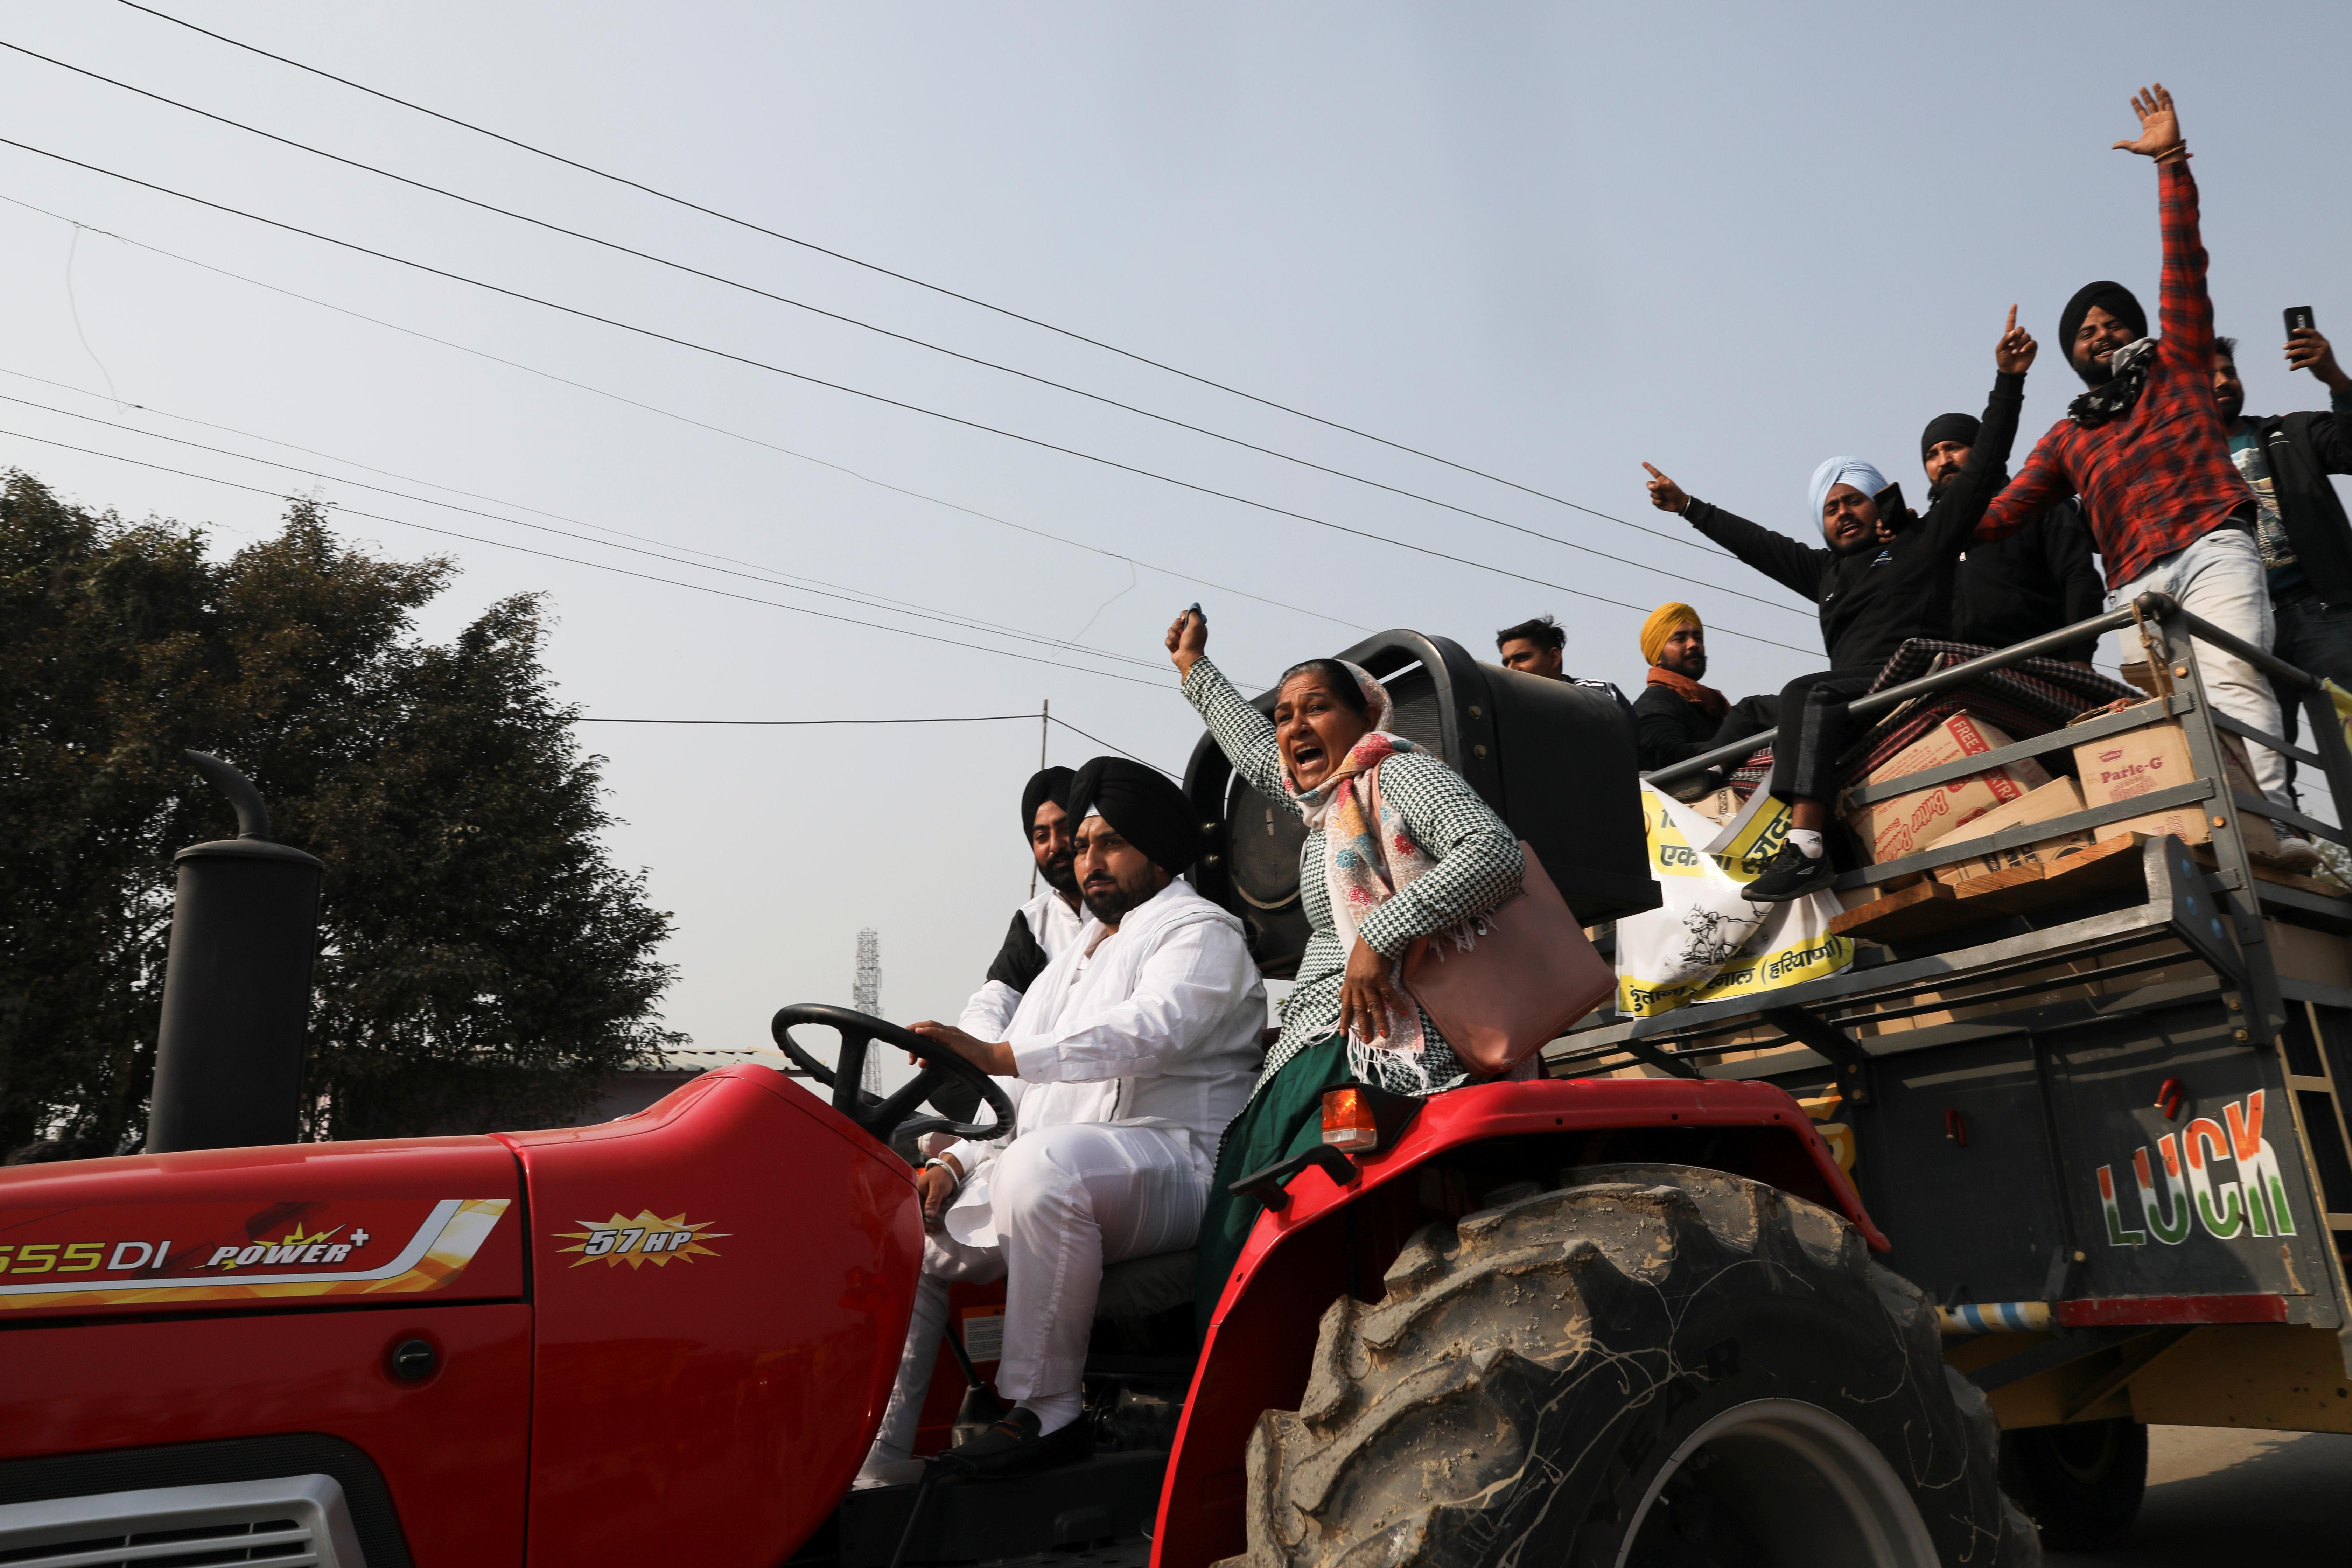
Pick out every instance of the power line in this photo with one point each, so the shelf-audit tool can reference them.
(903, 337)
(769, 723)
(600, 565)
(778, 579)
(1122, 751)
(631, 403)
(858, 392)
(901, 277)
(976, 719)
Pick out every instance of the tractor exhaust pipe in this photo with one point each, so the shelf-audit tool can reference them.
(236, 983)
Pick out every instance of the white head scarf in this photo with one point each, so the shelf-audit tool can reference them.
(1836, 471)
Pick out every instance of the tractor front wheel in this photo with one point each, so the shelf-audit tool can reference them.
(1658, 1366)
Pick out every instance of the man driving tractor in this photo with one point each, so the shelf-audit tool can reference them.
(1137, 1043)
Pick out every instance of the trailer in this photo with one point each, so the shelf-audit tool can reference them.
(2101, 1114)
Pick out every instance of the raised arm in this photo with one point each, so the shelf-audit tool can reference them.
(1479, 862)
(2184, 308)
(1961, 504)
(1242, 734)
(1792, 565)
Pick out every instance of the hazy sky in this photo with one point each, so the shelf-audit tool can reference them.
(1547, 242)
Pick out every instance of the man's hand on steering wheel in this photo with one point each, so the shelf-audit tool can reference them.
(885, 1117)
(995, 1059)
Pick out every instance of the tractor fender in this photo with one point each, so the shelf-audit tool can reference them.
(1333, 1236)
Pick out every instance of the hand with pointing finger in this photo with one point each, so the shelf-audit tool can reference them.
(1665, 494)
(2013, 355)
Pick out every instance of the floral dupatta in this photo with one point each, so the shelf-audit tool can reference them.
(1365, 863)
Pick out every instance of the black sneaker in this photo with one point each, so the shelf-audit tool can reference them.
(1012, 1447)
(1791, 874)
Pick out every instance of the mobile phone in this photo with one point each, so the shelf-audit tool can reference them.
(1891, 510)
(2298, 318)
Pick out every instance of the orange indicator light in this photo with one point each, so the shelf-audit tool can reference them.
(1347, 1123)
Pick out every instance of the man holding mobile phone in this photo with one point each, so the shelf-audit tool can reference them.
(2304, 537)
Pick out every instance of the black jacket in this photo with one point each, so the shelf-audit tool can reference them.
(2035, 580)
(2303, 449)
(1668, 728)
(1873, 599)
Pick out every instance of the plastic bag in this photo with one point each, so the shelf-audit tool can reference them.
(1666, 955)
(1793, 944)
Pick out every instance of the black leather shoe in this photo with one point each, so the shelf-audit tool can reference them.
(1012, 1447)
(1790, 873)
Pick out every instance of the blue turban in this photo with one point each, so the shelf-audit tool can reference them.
(1836, 471)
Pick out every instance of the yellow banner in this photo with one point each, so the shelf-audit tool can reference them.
(1808, 958)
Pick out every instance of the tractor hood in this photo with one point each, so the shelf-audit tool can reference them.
(303, 1225)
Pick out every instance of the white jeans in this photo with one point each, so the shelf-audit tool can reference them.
(2219, 578)
(1066, 1199)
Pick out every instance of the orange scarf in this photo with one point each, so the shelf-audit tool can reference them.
(1706, 699)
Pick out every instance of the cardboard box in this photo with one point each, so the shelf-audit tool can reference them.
(2059, 797)
(2141, 761)
(1720, 806)
(1906, 824)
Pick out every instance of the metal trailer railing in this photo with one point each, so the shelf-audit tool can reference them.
(2220, 916)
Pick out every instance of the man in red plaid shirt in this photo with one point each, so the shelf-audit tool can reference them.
(2145, 449)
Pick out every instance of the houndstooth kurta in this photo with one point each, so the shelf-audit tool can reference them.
(1479, 866)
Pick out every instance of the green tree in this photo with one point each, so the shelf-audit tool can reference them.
(482, 963)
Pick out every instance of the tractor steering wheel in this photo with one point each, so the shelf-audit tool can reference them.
(881, 1117)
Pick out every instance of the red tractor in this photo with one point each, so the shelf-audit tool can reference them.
(1616, 1320)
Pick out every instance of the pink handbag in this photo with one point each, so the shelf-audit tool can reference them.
(1529, 973)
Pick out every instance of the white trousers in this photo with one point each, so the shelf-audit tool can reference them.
(1066, 1201)
(2220, 579)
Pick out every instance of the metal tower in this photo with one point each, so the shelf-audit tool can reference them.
(866, 995)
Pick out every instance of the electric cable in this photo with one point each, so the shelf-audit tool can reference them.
(626, 401)
(599, 565)
(1122, 751)
(901, 277)
(772, 723)
(762, 574)
(898, 336)
(1037, 441)
(976, 719)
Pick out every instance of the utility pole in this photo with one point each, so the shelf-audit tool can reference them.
(866, 996)
(1045, 730)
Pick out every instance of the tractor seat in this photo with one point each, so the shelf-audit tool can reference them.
(1142, 1288)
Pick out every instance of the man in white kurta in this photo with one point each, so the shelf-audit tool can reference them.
(1050, 921)
(1136, 1046)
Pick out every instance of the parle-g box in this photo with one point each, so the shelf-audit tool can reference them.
(2142, 762)
(1907, 823)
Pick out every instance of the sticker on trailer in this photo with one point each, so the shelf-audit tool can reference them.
(2248, 1199)
(638, 1242)
(358, 1248)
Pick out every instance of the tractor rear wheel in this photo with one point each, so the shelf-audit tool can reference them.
(1660, 1366)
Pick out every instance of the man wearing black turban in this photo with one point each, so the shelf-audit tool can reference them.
(1135, 1048)
(1143, 806)
(2032, 582)
(2145, 451)
(1041, 928)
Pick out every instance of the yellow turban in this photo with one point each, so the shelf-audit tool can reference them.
(1663, 622)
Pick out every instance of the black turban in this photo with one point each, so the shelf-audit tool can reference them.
(2113, 299)
(1149, 811)
(1943, 428)
(1044, 785)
